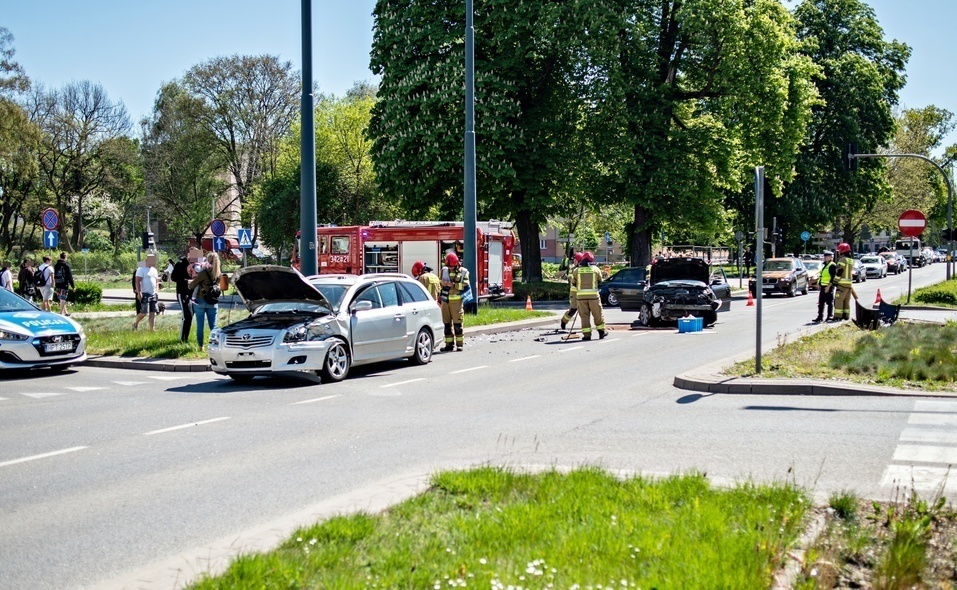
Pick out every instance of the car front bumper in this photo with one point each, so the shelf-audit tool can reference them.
(309, 356)
(32, 353)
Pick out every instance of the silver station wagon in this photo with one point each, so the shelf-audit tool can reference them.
(324, 325)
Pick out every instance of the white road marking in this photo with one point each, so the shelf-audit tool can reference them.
(933, 419)
(318, 399)
(82, 389)
(43, 456)
(929, 435)
(606, 340)
(925, 454)
(3, 399)
(168, 377)
(131, 383)
(525, 358)
(403, 382)
(572, 348)
(469, 369)
(921, 477)
(182, 426)
(931, 426)
(40, 395)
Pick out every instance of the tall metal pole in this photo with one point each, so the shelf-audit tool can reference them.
(949, 259)
(471, 257)
(758, 260)
(308, 259)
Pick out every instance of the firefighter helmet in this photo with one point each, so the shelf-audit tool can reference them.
(417, 268)
(588, 257)
(578, 256)
(451, 259)
(843, 248)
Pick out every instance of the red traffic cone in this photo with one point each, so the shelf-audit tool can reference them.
(877, 301)
(750, 299)
(528, 303)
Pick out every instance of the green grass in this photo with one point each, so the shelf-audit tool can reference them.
(493, 528)
(943, 294)
(497, 315)
(903, 355)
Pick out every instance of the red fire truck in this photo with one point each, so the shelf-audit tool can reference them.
(394, 246)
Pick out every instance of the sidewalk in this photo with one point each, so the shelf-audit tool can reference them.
(196, 365)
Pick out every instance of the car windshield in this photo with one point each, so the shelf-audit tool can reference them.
(11, 302)
(332, 292)
(889, 255)
(778, 265)
(871, 260)
(812, 264)
(292, 306)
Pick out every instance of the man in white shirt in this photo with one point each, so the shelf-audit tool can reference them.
(146, 297)
(46, 290)
(6, 276)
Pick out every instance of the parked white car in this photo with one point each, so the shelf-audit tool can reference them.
(874, 265)
(324, 325)
(31, 338)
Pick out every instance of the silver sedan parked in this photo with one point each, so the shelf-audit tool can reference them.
(325, 324)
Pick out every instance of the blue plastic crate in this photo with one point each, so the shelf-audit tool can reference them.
(686, 325)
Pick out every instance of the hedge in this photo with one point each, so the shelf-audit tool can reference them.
(940, 294)
(85, 293)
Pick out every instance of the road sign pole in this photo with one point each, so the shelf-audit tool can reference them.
(758, 260)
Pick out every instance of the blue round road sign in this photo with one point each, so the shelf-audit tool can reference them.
(50, 219)
(805, 235)
(217, 227)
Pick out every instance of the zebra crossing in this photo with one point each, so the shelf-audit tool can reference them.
(926, 450)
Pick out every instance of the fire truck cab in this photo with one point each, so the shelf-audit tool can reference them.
(394, 246)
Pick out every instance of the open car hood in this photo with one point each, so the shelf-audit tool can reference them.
(266, 283)
(670, 269)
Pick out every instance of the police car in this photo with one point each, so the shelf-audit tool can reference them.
(31, 338)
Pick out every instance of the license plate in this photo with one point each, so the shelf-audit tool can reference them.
(58, 347)
(768, 287)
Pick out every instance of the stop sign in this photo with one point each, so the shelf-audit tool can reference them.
(912, 223)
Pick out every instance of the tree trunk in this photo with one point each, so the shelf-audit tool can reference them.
(640, 246)
(528, 232)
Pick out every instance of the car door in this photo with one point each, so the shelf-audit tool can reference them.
(720, 285)
(378, 333)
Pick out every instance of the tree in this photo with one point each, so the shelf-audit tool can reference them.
(184, 165)
(527, 109)
(862, 76)
(690, 95)
(249, 105)
(12, 78)
(278, 209)
(80, 125)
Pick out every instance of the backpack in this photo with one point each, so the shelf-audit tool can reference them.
(40, 277)
(59, 276)
(212, 295)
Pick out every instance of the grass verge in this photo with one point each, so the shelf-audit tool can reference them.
(943, 294)
(494, 528)
(908, 355)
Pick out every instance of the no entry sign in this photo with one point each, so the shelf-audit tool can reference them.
(912, 223)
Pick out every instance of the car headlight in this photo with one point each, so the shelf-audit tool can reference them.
(296, 334)
(8, 335)
(215, 337)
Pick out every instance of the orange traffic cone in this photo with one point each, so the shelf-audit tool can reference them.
(750, 299)
(877, 301)
(528, 303)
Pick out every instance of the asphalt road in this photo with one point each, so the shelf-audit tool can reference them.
(113, 478)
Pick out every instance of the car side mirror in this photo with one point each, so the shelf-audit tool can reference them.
(360, 306)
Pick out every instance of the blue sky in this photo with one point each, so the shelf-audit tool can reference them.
(132, 46)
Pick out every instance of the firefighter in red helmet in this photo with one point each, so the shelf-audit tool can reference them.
(587, 278)
(844, 273)
(572, 291)
(423, 273)
(455, 283)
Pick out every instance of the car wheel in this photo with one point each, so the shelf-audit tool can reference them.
(424, 345)
(792, 291)
(644, 315)
(241, 378)
(709, 318)
(336, 366)
(806, 287)
(612, 300)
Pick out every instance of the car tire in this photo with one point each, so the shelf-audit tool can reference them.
(710, 318)
(424, 346)
(644, 316)
(792, 291)
(612, 300)
(336, 365)
(241, 378)
(806, 288)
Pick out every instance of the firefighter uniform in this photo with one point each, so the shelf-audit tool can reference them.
(825, 297)
(587, 278)
(572, 293)
(431, 283)
(845, 287)
(455, 281)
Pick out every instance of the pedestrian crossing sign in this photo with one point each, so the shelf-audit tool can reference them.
(245, 238)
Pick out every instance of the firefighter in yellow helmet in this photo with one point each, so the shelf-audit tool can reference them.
(454, 281)
(587, 278)
(423, 273)
(572, 291)
(844, 272)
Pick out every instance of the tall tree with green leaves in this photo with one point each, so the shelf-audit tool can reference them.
(862, 75)
(527, 112)
(690, 95)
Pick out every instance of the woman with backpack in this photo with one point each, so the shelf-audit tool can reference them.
(205, 288)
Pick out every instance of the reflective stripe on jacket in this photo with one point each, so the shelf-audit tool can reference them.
(847, 273)
(586, 280)
(459, 277)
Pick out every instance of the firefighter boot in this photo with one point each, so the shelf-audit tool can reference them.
(602, 334)
(449, 346)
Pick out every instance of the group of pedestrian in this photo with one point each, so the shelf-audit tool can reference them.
(197, 281)
(43, 283)
(836, 286)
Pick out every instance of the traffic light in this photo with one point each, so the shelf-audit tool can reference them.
(850, 157)
(148, 243)
(778, 235)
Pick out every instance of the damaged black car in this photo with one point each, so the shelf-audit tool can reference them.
(679, 287)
